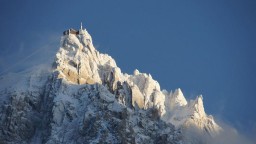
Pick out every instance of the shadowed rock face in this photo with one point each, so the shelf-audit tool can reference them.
(85, 98)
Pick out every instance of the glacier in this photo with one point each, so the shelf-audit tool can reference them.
(84, 97)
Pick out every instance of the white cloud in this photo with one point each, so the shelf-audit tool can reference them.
(231, 136)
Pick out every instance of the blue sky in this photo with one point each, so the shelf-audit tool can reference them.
(201, 47)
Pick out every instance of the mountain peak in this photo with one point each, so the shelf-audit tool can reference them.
(179, 99)
(78, 61)
(87, 99)
(198, 107)
(76, 39)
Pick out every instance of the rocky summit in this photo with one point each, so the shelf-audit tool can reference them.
(84, 97)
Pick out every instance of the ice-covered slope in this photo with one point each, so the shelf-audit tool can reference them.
(86, 98)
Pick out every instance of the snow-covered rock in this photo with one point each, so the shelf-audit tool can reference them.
(178, 98)
(85, 98)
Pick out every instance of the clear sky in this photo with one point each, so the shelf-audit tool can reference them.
(206, 48)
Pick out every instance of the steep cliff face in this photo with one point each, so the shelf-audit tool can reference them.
(85, 98)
